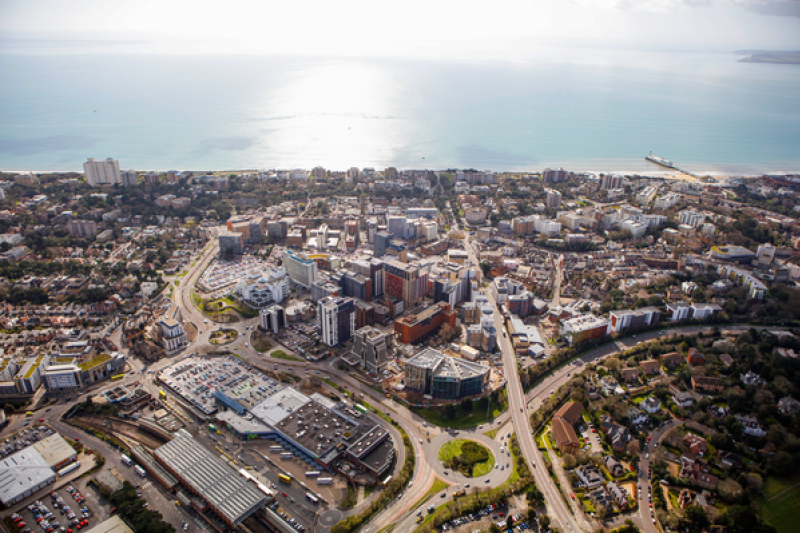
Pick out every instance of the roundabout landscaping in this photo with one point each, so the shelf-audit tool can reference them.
(467, 457)
(223, 336)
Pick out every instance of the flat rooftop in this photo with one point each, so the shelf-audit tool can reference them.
(318, 429)
(232, 496)
(279, 404)
(113, 525)
(54, 449)
(21, 472)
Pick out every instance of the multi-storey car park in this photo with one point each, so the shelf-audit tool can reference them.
(324, 433)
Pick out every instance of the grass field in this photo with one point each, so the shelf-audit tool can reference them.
(463, 419)
(260, 343)
(280, 354)
(782, 511)
(453, 449)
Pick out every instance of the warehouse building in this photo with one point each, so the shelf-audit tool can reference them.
(22, 474)
(229, 495)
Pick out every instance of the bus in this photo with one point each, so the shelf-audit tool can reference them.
(276, 448)
(386, 481)
(139, 470)
(117, 377)
(313, 499)
(324, 481)
(313, 473)
(361, 408)
(126, 460)
(284, 478)
(287, 455)
(162, 394)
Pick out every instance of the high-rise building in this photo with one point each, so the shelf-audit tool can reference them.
(336, 318)
(230, 243)
(318, 172)
(554, 175)
(273, 318)
(405, 282)
(172, 334)
(100, 173)
(301, 271)
(553, 199)
(355, 285)
(612, 181)
(371, 350)
(129, 178)
(82, 228)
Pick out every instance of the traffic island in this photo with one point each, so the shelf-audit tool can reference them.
(467, 457)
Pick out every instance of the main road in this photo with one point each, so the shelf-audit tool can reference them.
(520, 416)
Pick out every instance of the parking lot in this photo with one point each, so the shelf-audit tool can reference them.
(65, 510)
(24, 438)
(196, 378)
(223, 273)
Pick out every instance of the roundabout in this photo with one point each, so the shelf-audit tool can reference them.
(468, 457)
(485, 473)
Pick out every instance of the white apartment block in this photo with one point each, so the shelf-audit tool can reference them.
(172, 334)
(668, 200)
(646, 195)
(300, 270)
(637, 229)
(691, 218)
(612, 181)
(100, 173)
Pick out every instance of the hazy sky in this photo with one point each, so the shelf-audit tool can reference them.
(440, 29)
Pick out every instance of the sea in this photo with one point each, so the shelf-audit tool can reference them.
(584, 109)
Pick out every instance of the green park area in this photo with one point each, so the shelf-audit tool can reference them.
(781, 507)
(224, 309)
(468, 457)
(464, 415)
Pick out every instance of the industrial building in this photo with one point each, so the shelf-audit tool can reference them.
(33, 468)
(433, 373)
(227, 493)
(326, 434)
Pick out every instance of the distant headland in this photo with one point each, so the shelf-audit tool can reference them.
(767, 56)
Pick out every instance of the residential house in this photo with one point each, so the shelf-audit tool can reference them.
(696, 444)
(591, 390)
(651, 367)
(609, 386)
(601, 499)
(618, 494)
(683, 399)
(694, 357)
(751, 379)
(671, 360)
(730, 459)
(613, 466)
(636, 416)
(651, 404)
(630, 375)
(751, 425)
(717, 411)
(788, 406)
(707, 384)
(618, 435)
(685, 499)
(589, 476)
(726, 360)
(697, 473)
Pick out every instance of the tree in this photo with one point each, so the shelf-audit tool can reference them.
(569, 461)
(696, 517)
(754, 481)
(729, 490)
(544, 522)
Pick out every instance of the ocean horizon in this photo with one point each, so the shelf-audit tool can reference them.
(600, 110)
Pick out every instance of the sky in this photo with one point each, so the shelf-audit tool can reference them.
(461, 30)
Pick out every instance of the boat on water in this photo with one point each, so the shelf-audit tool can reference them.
(659, 160)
